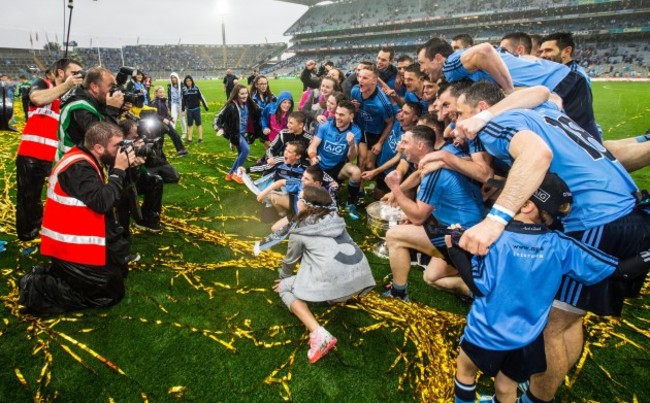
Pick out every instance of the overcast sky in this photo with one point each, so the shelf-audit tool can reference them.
(112, 23)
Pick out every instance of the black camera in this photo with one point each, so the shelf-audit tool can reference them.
(82, 73)
(123, 76)
(148, 149)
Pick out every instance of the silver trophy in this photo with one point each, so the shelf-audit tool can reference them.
(382, 217)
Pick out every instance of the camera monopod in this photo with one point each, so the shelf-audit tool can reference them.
(67, 39)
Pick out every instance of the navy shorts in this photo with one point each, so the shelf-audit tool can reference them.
(193, 116)
(437, 240)
(293, 205)
(370, 139)
(622, 238)
(518, 364)
(335, 171)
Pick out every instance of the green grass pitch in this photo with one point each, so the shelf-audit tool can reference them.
(194, 328)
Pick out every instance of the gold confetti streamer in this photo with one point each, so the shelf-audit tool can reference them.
(422, 357)
(20, 377)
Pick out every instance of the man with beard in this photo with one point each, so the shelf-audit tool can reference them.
(80, 231)
(558, 47)
(92, 102)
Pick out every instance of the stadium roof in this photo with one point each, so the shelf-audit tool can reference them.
(305, 2)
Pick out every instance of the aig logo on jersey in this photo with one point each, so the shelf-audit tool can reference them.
(334, 148)
(393, 140)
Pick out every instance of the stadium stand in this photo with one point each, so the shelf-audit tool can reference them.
(21, 61)
(611, 34)
(199, 60)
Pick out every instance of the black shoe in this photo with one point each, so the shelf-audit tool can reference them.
(151, 227)
(135, 257)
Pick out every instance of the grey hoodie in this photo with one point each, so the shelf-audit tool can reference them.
(331, 265)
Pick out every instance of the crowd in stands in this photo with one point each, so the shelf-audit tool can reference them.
(362, 13)
(335, 31)
(201, 60)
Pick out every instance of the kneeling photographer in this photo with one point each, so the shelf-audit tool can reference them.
(152, 129)
(80, 233)
(139, 181)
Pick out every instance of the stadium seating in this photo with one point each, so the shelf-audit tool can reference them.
(345, 28)
(201, 61)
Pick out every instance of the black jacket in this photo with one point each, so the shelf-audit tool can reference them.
(228, 119)
(309, 79)
(192, 97)
(161, 107)
(82, 119)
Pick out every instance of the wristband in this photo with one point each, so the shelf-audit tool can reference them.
(500, 214)
(312, 154)
(485, 116)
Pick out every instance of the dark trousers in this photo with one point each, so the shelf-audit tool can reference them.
(151, 188)
(176, 139)
(26, 107)
(31, 174)
(166, 171)
(65, 286)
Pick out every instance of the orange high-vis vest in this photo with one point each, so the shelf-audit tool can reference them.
(71, 230)
(40, 139)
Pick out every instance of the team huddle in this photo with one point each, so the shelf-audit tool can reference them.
(493, 155)
(499, 167)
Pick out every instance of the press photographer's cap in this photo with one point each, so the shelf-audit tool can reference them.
(553, 195)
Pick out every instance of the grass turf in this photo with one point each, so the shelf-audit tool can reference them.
(199, 321)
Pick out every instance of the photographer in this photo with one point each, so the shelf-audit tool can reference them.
(80, 232)
(152, 129)
(139, 181)
(38, 145)
(309, 76)
(96, 100)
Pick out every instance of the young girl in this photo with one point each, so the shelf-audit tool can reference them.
(138, 85)
(261, 92)
(332, 267)
(192, 99)
(238, 118)
(313, 102)
(274, 116)
(331, 104)
(160, 103)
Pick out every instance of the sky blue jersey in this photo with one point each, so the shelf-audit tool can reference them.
(519, 278)
(602, 189)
